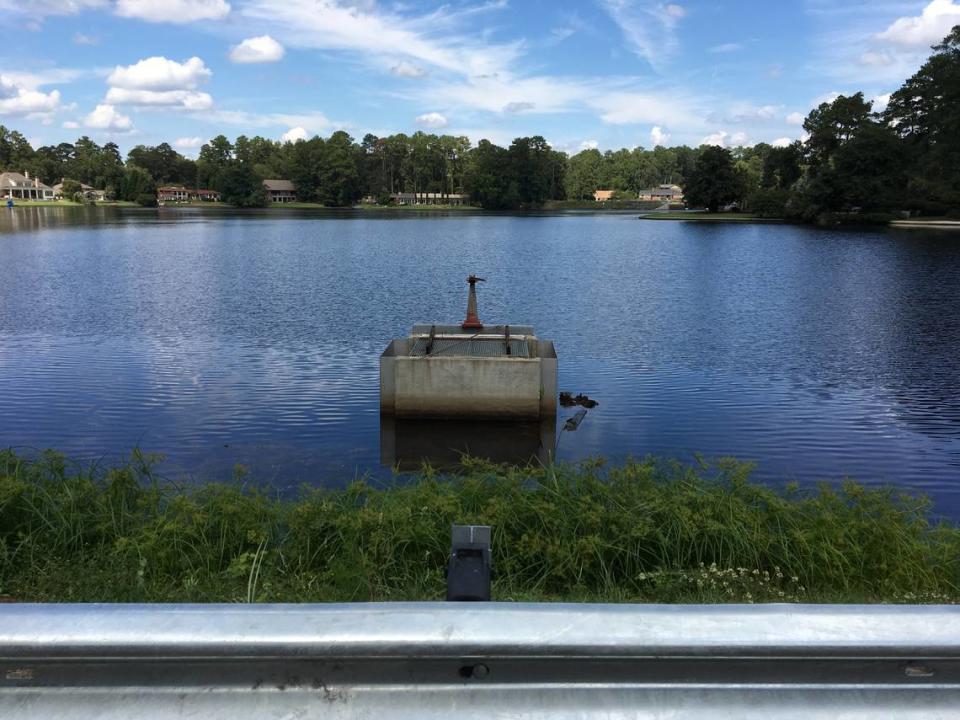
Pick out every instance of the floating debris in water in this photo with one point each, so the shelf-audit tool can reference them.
(573, 423)
(569, 400)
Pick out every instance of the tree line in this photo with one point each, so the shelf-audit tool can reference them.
(853, 160)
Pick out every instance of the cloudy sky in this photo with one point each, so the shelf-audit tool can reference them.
(587, 73)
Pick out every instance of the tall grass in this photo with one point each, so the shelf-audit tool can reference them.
(649, 531)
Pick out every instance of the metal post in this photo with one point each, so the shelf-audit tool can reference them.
(472, 321)
(469, 566)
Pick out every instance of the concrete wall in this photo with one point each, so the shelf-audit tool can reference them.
(465, 386)
(548, 377)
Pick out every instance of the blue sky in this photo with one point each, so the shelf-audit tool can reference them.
(594, 73)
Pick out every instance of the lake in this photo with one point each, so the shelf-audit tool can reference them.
(218, 338)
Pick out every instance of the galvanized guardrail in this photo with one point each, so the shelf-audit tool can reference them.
(478, 660)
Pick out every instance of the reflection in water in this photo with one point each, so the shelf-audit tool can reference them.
(408, 444)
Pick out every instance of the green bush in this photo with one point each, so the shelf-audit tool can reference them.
(643, 531)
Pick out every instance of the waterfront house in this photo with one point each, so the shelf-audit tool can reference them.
(173, 193)
(280, 191)
(89, 192)
(663, 193)
(205, 195)
(603, 195)
(20, 186)
(430, 198)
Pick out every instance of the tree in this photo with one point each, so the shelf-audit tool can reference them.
(713, 181)
(925, 113)
(832, 124)
(488, 181)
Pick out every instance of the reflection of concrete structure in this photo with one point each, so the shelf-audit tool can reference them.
(500, 371)
(408, 444)
(19, 186)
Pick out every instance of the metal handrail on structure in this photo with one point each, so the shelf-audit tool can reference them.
(478, 660)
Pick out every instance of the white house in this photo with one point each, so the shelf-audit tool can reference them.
(19, 186)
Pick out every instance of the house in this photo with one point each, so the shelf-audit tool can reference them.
(663, 193)
(89, 192)
(603, 195)
(20, 186)
(172, 193)
(205, 195)
(431, 198)
(280, 191)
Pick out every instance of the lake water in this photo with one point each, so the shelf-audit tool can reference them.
(221, 338)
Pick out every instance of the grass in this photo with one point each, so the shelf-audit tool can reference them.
(647, 531)
(697, 216)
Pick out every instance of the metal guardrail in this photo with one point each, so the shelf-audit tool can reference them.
(478, 660)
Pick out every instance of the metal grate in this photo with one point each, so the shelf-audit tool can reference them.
(485, 347)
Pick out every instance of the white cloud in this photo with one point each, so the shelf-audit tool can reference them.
(159, 73)
(589, 145)
(19, 98)
(648, 27)
(81, 39)
(377, 34)
(658, 136)
(726, 140)
(929, 28)
(260, 49)
(407, 70)
(624, 108)
(70, 125)
(675, 11)
(726, 48)
(432, 120)
(173, 11)
(876, 58)
(106, 117)
(795, 118)
(40, 8)
(294, 134)
(160, 82)
(880, 102)
(782, 142)
(315, 123)
(188, 143)
(184, 99)
(519, 106)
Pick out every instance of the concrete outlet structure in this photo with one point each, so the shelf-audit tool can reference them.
(501, 371)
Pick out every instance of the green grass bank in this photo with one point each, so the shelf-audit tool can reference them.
(646, 531)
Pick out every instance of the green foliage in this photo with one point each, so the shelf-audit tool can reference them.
(136, 182)
(644, 531)
(146, 200)
(713, 181)
(768, 202)
(71, 188)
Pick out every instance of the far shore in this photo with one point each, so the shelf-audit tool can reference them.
(702, 216)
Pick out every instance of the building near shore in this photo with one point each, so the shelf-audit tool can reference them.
(603, 195)
(280, 191)
(663, 193)
(89, 192)
(430, 198)
(20, 186)
(178, 193)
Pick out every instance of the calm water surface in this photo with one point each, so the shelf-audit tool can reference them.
(218, 338)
